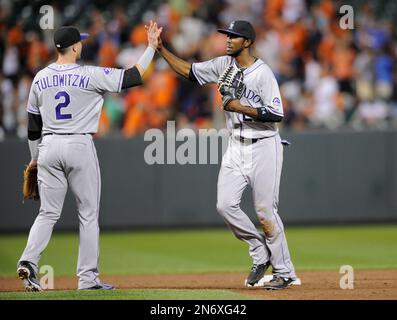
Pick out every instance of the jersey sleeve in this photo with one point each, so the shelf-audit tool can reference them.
(209, 71)
(270, 92)
(105, 79)
(33, 101)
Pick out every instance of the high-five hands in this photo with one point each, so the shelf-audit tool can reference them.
(153, 34)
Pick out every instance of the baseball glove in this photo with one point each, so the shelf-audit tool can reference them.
(231, 85)
(30, 186)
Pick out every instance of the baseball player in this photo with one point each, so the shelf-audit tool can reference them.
(64, 107)
(255, 153)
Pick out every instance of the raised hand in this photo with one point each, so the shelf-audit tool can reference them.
(153, 34)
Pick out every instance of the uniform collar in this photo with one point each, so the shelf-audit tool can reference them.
(252, 66)
(63, 67)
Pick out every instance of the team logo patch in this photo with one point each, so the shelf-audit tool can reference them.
(231, 26)
(107, 70)
(276, 102)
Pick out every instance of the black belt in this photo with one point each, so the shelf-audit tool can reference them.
(65, 134)
(244, 140)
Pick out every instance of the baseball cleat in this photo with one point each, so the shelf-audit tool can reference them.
(267, 278)
(257, 272)
(27, 274)
(278, 283)
(100, 286)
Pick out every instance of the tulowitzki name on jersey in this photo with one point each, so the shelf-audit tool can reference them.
(62, 80)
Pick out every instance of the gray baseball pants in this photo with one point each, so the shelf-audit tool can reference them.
(68, 160)
(259, 166)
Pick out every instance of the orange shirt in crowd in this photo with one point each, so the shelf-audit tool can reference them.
(38, 55)
(326, 47)
(162, 86)
(293, 37)
(272, 10)
(104, 124)
(107, 54)
(327, 7)
(136, 102)
(343, 59)
(15, 36)
(138, 36)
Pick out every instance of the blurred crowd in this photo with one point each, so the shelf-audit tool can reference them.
(329, 77)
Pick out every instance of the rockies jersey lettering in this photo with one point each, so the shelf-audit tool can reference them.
(251, 95)
(69, 97)
(261, 91)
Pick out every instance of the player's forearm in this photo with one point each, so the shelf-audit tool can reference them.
(236, 106)
(133, 76)
(180, 66)
(259, 114)
(145, 60)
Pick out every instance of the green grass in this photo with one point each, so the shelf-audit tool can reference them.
(363, 247)
(141, 294)
(199, 251)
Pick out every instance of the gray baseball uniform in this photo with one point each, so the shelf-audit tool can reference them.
(69, 99)
(257, 163)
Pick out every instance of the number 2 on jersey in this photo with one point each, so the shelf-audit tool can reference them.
(64, 104)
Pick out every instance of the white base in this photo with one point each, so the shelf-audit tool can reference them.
(267, 278)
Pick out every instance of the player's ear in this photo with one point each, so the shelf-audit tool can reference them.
(247, 43)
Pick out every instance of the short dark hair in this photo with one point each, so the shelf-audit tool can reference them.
(63, 51)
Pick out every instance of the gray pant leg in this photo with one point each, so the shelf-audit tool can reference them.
(85, 182)
(265, 182)
(231, 184)
(52, 187)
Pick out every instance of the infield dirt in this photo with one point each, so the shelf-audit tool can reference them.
(324, 285)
